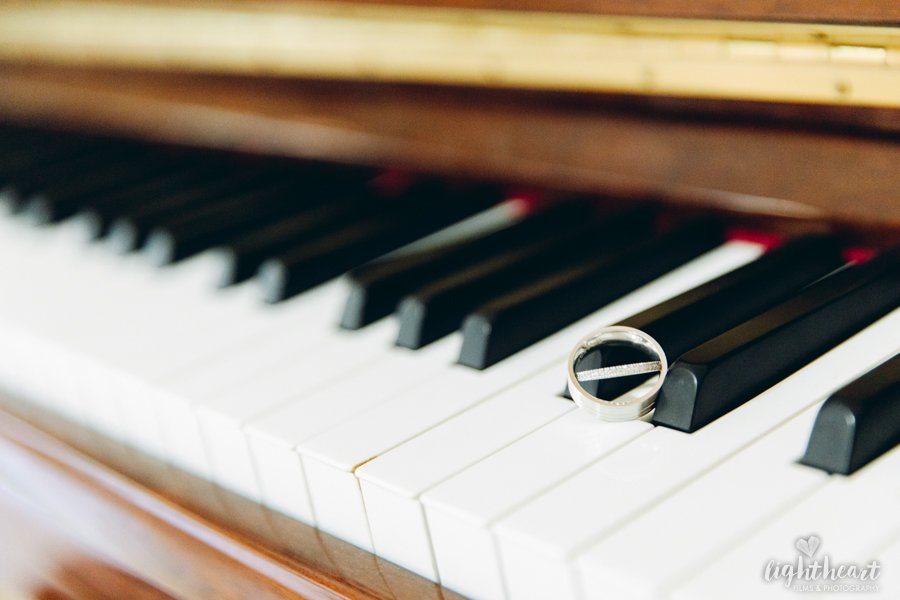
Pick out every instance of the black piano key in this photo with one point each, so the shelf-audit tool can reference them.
(22, 168)
(243, 256)
(423, 210)
(708, 310)
(215, 225)
(13, 135)
(86, 159)
(19, 157)
(26, 152)
(228, 179)
(713, 308)
(723, 373)
(129, 231)
(498, 329)
(64, 199)
(100, 211)
(377, 287)
(439, 308)
(291, 210)
(858, 423)
(68, 172)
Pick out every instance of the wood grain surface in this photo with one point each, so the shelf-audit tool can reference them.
(807, 163)
(72, 527)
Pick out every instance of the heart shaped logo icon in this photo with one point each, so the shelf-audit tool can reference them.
(807, 546)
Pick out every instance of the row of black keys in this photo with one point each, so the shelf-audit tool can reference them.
(734, 337)
(297, 225)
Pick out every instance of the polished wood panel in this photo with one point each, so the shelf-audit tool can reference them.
(80, 529)
(41, 561)
(802, 164)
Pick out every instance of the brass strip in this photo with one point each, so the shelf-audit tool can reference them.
(788, 62)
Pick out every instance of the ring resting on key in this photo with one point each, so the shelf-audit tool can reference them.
(634, 403)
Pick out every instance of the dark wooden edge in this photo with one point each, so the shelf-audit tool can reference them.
(796, 163)
(174, 534)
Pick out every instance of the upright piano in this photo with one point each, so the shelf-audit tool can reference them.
(290, 290)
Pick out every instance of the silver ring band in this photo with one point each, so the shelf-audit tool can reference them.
(633, 404)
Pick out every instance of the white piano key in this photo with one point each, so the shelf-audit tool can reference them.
(123, 377)
(461, 510)
(853, 516)
(36, 259)
(48, 307)
(175, 396)
(648, 556)
(392, 483)
(330, 458)
(62, 280)
(338, 348)
(17, 258)
(130, 346)
(273, 436)
(229, 356)
(130, 376)
(221, 419)
(105, 385)
(553, 528)
(889, 581)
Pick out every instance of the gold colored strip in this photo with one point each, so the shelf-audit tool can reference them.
(796, 62)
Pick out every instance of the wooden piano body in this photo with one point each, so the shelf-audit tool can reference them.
(77, 523)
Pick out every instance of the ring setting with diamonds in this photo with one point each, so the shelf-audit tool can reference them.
(616, 372)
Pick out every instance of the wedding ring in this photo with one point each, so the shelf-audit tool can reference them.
(604, 369)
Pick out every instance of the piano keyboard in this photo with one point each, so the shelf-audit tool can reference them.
(186, 303)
